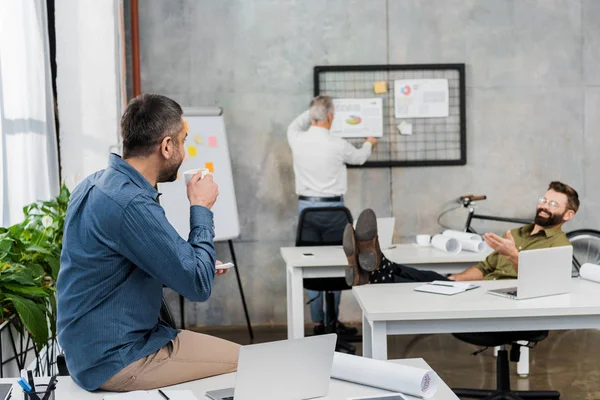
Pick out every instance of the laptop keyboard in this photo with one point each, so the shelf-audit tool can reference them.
(227, 398)
(513, 293)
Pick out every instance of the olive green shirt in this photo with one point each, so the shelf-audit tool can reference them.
(497, 266)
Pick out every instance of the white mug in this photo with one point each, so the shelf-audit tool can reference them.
(423, 240)
(188, 174)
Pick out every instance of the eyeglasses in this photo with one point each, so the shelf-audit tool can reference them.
(551, 203)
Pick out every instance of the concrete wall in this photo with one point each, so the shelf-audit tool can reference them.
(533, 76)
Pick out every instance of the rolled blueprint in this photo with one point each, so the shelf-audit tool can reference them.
(473, 245)
(447, 244)
(413, 381)
(462, 235)
(591, 272)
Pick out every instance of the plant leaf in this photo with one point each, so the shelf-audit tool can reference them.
(33, 319)
(27, 291)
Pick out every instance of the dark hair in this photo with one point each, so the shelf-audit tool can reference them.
(572, 196)
(148, 119)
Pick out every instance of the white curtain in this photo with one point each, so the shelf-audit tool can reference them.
(28, 149)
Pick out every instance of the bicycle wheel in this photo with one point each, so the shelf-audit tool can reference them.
(586, 248)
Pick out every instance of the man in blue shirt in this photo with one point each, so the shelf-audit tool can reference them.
(118, 252)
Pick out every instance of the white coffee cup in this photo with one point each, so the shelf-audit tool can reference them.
(188, 174)
(423, 240)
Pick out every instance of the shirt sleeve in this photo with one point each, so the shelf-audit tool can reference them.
(150, 242)
(488, 265)
(356, 156)
(298, 126)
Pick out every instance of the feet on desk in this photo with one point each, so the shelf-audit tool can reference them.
(362, 248)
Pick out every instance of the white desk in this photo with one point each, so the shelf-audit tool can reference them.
(338, 390)
(396, 309)
(330, 261)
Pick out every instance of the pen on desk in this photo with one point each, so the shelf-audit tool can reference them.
(163, 394)
(23, 383)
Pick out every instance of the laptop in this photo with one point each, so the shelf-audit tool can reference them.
(385, 231)
(295, 369)
(543, 272)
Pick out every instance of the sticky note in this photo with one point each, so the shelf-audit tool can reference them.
(405, 128)
(380, 87)
(210, 167)
(197, 139)
(212, 141)
(192, 151)
(185, 126)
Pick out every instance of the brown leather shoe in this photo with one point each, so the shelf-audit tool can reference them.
(367, 241)
(354, 275)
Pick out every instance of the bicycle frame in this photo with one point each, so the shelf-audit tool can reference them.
(472, 216)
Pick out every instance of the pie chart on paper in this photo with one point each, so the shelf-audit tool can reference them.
(353, 120)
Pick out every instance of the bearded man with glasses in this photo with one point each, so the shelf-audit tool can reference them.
(558, 205)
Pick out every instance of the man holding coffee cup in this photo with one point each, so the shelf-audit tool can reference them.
(118, 252)
(320, 167)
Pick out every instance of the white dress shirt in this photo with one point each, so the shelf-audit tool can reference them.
(320, 159)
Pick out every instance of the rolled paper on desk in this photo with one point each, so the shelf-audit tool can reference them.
(473, 245)
(447, 244)
(405, 379)
(591, 272)
(462, 235)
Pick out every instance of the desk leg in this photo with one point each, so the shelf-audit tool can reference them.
(379, 340)
(523, 364)
(295, 303)
(367, 339)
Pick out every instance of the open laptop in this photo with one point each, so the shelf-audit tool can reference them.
(543, 272)
(295, 369)
(385, 231)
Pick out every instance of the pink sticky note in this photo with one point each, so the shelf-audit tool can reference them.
(212, 141)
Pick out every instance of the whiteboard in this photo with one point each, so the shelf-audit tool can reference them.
(205, 146)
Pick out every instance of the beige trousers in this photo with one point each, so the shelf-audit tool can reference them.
(188, 357)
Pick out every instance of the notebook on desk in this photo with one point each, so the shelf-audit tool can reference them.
(447, 288)
(152, 395)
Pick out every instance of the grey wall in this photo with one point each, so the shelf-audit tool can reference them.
(533, 95)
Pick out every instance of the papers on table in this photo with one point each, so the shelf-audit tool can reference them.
(446, 287)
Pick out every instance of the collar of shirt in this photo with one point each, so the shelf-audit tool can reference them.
(318, 129)
(115, 161)
(548, 232)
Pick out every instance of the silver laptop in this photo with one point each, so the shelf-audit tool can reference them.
(295, 369)
(385, 231)
(543, 272)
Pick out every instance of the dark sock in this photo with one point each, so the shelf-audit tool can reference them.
(385, 272)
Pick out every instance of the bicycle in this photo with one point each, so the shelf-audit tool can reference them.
(585, 242)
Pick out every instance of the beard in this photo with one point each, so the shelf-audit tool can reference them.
(169, 173)
(550, 220)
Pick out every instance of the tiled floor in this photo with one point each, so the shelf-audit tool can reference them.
(568, 361)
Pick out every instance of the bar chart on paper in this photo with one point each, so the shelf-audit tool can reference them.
(205, 147)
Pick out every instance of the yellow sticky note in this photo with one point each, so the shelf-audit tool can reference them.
(185, 126)
(197, 139)
(380, 87)
(210, 167)
(192, 151)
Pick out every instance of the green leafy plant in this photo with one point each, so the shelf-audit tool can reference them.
(29, 265)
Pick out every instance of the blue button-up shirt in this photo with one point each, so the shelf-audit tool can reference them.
(118, 251)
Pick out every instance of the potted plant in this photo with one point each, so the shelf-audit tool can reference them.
(29, 265)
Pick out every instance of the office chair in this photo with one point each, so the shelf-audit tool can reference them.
(503, 339)
(324, 226)
(165, 317)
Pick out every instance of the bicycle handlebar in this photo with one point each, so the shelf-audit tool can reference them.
(472, 197)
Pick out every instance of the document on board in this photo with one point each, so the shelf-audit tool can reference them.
(357, 118)
(421, 98)
(446, 287)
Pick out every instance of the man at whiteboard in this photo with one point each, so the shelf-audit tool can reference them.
(321, 180)
(119, 250)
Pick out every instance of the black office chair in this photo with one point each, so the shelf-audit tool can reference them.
(164, 317)
(503, 339)
(324, 226)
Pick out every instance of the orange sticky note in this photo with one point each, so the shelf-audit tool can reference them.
(197, 139)
(380, 87)
(210, 167)
(212, 141)
(192, 151)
